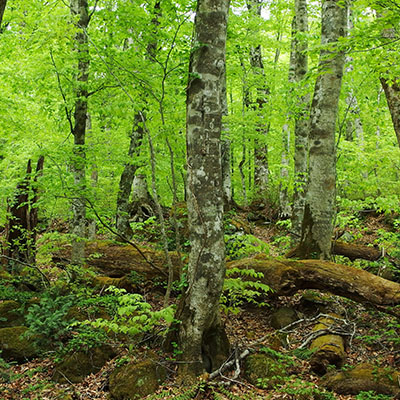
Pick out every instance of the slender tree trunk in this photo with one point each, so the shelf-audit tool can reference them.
(79, 10)
(200, 334)
(285, 209)
(353, 120)
(20, 230)
(392, 93)
(226, 152)
(319, 208)
(391, 88)
(226, 174)
(300, 54)
(261, 172)
(3, 4)
(125, 184)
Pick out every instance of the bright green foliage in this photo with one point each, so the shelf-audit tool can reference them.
(302, 390)
(243, 245)
(47, 322)
(132, 315)
(244, 287)
(371, 395)
(37, 89)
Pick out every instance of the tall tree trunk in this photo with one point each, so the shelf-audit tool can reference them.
(300, 50)
(125, 184)
(353, 120)
(285, 209)
(321, 191)
(226, 152)
(200, 335)
(79, 11)
(261, 172)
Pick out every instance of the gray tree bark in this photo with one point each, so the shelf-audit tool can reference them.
(353, 120)
(321, 191)
(261, 171)
(300, 50)
(200, 335)
(79, 11)
(125, 184)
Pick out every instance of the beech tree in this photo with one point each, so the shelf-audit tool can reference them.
(79, 11)
(319, 206)
(200, 334)
(300, 68)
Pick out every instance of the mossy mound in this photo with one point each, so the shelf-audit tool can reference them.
(15, 347)
(76, 366)
(10, 314)
(363, 378)
(282, 317)
(264, 371)
(136, 380)
(105, 282)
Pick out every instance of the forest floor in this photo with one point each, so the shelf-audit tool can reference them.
(375, 340)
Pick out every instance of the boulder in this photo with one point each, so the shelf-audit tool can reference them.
(76, 366)
(136, 380)
(15, 347)
(10, 314)
(283, 317)
(363, 378)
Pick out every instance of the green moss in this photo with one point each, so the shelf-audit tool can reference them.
(76, 366)
(10, 314)
(15, 347)
(264, 371)
(136, 380)
(363, 378)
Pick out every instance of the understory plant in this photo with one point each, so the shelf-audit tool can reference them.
(243, 286)
(133, 315)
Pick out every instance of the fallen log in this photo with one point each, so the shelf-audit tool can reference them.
(350, 250)
(285, 277)
(328, 348)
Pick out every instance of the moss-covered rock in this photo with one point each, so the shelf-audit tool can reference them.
(10, 314)
(363, 378)
(106, 281)
(283, 317)
(76, 366)
(15, 347)
(136, 380)
(264, 370)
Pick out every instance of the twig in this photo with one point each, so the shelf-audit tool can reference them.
(124, 239)
(67, 112)
(27, 265)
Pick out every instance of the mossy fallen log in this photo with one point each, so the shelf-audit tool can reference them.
(364, 378)
(328, 349)
(350, 250)
(285, 277)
